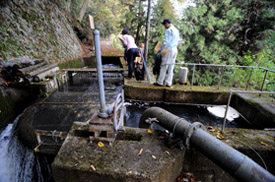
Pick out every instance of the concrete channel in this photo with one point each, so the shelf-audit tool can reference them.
(59, 126)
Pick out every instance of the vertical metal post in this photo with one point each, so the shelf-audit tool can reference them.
(220, 82)
(103, 111)
(227, 106)
(262, 87)
(247, 85)
(193, 74)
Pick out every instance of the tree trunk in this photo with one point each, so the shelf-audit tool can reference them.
(139, 22)
(147, 29)
(83, 10)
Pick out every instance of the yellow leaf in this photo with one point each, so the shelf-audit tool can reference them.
(263, 143)
(93, 167)
(168, 153)
(100, 144)
(149, 131)
(78, 115)
(0, 111)
(130, 172)
(219, 136)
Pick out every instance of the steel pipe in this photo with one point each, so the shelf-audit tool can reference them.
(237, 164)
(103, 111)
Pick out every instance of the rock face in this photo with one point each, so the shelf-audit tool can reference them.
(37, 28)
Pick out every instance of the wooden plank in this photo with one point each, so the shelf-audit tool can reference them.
(91, 20)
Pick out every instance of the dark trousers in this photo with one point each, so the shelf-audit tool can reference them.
(131, 56)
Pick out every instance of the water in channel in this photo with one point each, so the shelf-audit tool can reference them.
(19, 163)
(191, 113)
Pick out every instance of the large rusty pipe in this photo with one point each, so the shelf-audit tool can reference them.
(237, 164)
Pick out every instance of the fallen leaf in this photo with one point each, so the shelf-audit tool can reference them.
(263, 143)
(212, 130)
(130, 172)
(0, 111)
(220, 136)
(154, 157)
(168, 153)
(140, 152)
(100, 144)
(78, 115)
(149, 131)
(93, 167)
(272, 138)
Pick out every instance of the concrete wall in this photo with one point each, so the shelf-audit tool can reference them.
(259, 112)
(38, 29)
(150, 93)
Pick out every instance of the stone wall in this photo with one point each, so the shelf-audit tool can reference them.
(38, 29)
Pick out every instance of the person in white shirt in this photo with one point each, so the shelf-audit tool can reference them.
(132, 50)
(171, 41)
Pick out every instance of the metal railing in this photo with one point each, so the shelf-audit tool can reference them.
(231, 90)
(222, 72)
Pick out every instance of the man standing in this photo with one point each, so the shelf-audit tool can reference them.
(171, 41)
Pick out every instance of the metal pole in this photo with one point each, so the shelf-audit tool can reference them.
(220, 82)
(263, 81)
(227, 106)
(103, 111)
(237, 164)
(193, 74)
(247, 85)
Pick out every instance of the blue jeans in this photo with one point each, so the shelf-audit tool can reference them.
(131, 56)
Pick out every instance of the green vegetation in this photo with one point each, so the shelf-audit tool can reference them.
(213, 32)
(76, 63)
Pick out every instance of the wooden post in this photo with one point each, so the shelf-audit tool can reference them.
(92, 27)
(147, 29)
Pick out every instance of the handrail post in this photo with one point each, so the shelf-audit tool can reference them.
(103, 111)
(220, 82)
(227, 106)
(247, 85)
(193, 74)
(263, 81)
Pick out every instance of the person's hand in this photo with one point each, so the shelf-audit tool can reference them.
(159, 51)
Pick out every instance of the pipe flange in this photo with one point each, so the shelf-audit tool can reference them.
(175, 125)
(190, 131)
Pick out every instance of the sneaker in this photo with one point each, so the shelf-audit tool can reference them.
(157, 84)
(168, 85)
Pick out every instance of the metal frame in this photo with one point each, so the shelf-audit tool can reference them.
(119, 106)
